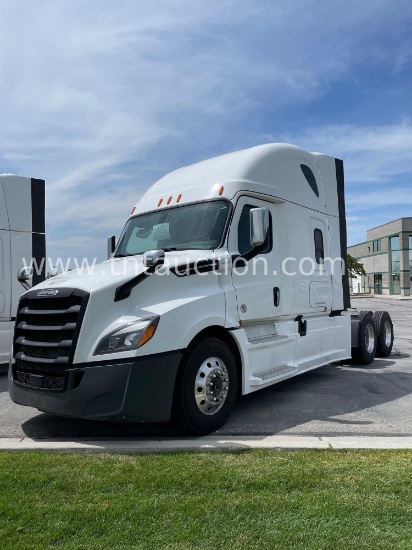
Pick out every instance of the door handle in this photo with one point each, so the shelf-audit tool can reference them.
(276, 296)
(302, 326)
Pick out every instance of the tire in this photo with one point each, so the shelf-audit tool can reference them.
(365, 353)
(209, 367)
(384, 328)
(363, 313)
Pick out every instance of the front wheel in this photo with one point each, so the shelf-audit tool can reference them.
(206, 388)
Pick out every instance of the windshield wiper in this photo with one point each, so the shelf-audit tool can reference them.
(166, 249)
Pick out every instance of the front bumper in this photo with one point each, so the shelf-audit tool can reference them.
(139, 390)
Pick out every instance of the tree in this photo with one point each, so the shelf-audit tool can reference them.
(354, 267)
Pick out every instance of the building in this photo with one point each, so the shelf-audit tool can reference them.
(387, 259)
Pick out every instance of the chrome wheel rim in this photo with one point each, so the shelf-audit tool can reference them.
(387, 333)
(211, 386)
(369, 338)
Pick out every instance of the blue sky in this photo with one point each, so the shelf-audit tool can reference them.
(103, 98)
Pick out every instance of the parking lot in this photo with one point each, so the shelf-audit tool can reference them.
(333, 400)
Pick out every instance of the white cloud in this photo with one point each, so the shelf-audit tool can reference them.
(371, 153)
(393, 196)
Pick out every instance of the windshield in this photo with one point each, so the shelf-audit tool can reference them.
(196, 226)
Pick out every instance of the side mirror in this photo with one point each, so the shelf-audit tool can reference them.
(111, 246)
(152, 258)
(259, 226)
(25, 274)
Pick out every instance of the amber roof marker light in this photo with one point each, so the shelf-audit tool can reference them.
(160, 202)
(179, 197)
(169, 200)
(221, 190)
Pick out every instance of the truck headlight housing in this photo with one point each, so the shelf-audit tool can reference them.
(128, 337)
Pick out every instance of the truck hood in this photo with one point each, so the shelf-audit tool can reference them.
(119, 270)
(99, 275)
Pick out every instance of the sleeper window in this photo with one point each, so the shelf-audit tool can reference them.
(319, 250)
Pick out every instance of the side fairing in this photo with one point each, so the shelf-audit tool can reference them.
(332, 175)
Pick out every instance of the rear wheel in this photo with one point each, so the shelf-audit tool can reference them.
(362, 314)
(206, 388)
(384, 327)
(365, 353)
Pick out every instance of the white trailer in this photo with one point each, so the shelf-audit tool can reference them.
(22, 239)
(226, 279)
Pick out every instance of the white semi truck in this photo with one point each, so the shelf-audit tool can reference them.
(226, 279)
(22, 243)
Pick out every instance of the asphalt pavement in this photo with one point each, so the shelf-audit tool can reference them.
(336, 401)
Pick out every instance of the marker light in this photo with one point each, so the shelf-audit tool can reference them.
(179, 197)
(133, 211)
(160, 202)
(221, 190)
(169, 200)
(128, 337)
(147, 334)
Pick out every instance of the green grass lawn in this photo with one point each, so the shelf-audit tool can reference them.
(257, 499)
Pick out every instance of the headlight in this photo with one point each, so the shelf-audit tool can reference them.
(127, 338)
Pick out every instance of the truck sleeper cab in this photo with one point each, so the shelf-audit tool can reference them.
(22, 241)
(226, 279)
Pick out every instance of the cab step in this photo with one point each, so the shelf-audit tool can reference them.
(272, 374)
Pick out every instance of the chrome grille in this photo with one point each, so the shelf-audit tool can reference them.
(45, 338)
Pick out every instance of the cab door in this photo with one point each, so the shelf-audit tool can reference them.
(256, 274)
(268, 336)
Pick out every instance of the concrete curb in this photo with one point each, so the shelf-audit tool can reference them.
(209, 443)
(383, 296)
